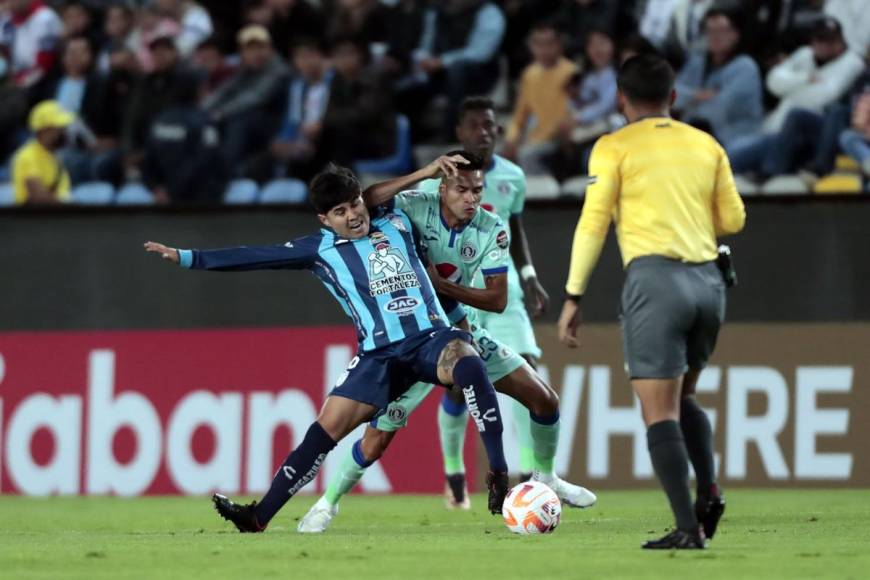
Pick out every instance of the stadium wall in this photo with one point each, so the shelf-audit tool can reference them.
(121, 375)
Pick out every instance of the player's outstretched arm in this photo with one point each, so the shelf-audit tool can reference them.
(381, 193)
(292, 255)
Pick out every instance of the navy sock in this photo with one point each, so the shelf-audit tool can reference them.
(480, 399)
(298, 469)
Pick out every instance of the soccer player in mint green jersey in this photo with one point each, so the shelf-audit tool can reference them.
(461, 241)
(504, 194)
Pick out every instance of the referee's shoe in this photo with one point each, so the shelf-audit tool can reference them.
(679, 540)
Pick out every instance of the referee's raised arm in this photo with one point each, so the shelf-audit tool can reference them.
(669, 190)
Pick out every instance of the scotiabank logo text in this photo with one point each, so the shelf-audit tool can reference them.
(131, 413)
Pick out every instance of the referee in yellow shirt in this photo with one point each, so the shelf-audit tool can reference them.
(670, 191)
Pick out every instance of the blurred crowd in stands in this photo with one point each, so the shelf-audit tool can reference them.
(175, 101)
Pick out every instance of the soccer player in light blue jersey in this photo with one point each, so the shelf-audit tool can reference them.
(504, 194)
(462, 241)
(371, 265)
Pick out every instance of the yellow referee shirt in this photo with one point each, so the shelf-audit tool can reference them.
(33, 161)
(668, 187)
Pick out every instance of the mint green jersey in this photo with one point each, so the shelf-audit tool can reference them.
(480, 248)
(504, 194)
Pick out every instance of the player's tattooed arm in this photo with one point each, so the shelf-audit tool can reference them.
(492, 298)
(380, 193)
(454, 351)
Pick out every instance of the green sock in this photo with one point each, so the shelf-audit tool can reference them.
(343, 481)
(545, 439)
(451, 429)
(522, 424)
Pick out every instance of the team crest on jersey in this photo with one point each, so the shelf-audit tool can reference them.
(468, 251)
(502, 240)
(398, 223)
(396, 413)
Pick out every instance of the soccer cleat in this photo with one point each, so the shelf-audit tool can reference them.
(318, 517)
(456, 493)
(568, 493)
(679, 540)
(242, 516)
(497, 484)
(709, 509)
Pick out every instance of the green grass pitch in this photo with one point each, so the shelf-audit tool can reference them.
(765, 534)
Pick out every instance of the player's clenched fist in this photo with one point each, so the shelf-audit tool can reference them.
(166, 253)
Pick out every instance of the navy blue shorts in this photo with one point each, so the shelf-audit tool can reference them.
(379, 376)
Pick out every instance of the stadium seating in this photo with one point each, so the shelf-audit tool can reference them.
(7, 194)
(284, 191)
(402, 161)
(241, 191)
(542, 187)
(93, 193)
(746, 187)
(134, 194)
(838, 183)
(785, 185)
(576, 186)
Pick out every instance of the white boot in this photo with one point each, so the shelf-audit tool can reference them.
(318, 517)
(569, 494)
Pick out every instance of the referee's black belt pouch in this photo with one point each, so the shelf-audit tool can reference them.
(726, 266)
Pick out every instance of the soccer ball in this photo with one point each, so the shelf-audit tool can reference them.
(531, 508)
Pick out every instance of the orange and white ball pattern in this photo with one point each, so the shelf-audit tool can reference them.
(531, 508)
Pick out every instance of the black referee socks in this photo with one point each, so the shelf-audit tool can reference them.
(670, 460)
(699, 443)
(298, 469)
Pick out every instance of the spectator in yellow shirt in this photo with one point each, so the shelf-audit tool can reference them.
(542, 103)
(38, 175)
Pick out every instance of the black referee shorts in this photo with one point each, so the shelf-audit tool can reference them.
(671, 315)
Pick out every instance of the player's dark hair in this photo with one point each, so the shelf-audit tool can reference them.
(333, 186)
(475, 161)
(647, 79)
(476, 103)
